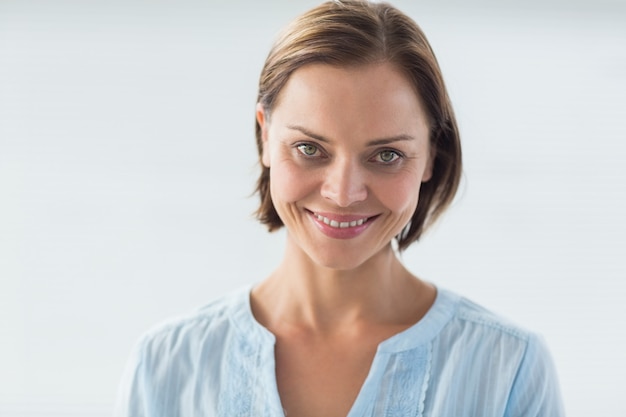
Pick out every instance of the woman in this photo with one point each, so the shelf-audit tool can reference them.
(360, 153)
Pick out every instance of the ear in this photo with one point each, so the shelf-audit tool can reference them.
(262, 120)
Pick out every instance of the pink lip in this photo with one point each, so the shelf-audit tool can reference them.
(343, 232)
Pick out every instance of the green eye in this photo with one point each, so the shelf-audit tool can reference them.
(307, 149)
(387, 156)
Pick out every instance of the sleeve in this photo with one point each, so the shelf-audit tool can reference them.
(132, 396)
(535, 391)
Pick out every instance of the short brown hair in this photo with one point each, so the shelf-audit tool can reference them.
(353, 32)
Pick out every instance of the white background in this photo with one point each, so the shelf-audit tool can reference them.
(127, 159)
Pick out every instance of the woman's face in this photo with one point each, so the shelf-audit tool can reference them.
(347, 149)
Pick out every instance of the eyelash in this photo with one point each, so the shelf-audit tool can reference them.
(396, 156)
(301, 146)
(376, 158)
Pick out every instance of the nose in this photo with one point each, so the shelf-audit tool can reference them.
(344, 182)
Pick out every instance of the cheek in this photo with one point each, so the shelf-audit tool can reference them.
(400, 196)
(289, 183)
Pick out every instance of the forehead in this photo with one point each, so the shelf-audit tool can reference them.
(372, 98)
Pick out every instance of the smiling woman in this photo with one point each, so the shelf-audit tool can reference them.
(345, 145)
(360, 153)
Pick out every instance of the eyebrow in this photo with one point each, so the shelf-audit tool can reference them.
(375, 142)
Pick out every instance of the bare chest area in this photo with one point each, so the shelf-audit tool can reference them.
(320, 380)
(323, 377)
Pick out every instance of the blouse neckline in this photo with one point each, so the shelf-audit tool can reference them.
(420, 333)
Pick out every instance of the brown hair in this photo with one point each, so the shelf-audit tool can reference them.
(354, 32)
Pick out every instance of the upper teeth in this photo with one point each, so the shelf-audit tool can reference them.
(340, 225)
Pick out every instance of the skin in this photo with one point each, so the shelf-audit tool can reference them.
(342, 141)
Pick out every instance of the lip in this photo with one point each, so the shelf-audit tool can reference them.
(341, 226)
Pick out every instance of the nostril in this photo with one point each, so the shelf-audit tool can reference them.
(344, 185)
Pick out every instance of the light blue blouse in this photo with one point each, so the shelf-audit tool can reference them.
(460, 360)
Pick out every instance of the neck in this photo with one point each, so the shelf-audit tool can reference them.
(305, 294)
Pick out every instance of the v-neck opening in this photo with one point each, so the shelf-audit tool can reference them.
(389, 365)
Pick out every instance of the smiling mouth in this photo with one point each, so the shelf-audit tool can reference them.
(340, 225)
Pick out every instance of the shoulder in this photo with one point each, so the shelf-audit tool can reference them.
(479, 340)
(185, 352)
(508, 365)
(471, 320)
(186, 334)
(473, 313)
